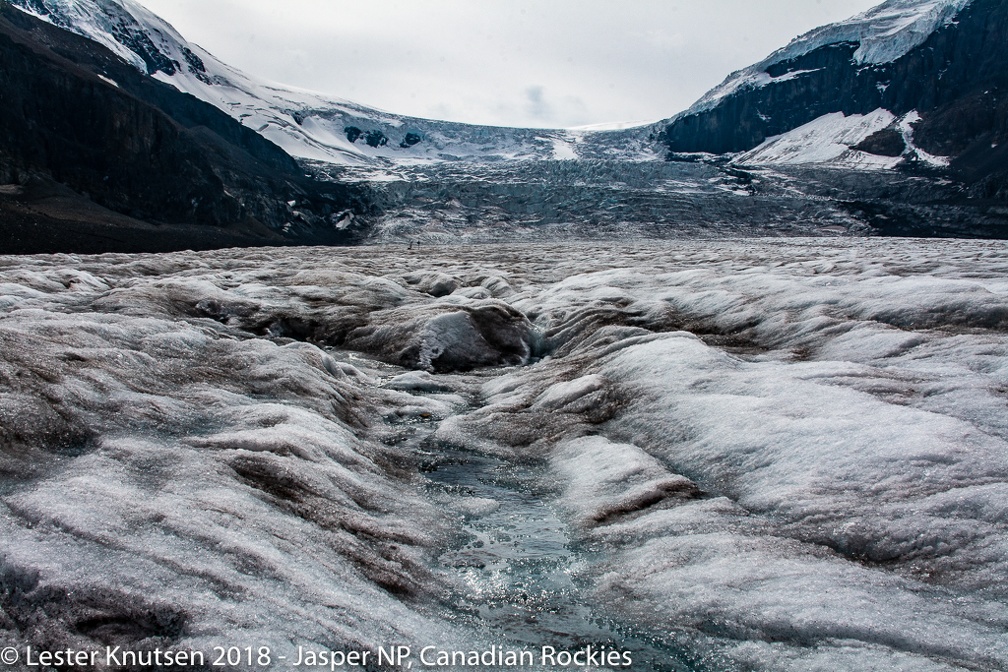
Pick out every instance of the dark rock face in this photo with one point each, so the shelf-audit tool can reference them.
(410, 140)
(353, 133)
(75, 114)
(957, 80)
(745, 119)
(376, 139)
(887, 142)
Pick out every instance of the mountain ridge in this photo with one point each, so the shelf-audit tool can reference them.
(854, 60)
(312, 125)
(455, 179)
(951, 84)
(112, 159)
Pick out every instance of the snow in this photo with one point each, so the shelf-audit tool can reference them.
(829, 141)
(826, 140)
(768, 454)
(91, 19)
(615, 125)
(905, 126)
(564, 149)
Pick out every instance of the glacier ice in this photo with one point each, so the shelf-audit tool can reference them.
(763, 454)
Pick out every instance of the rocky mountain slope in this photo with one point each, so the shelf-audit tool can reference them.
(96, 156)
(912, 81)
(312, 125)
(908, 81)
(803, 143)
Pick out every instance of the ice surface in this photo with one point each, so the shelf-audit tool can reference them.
(764, 454)
(163, 466)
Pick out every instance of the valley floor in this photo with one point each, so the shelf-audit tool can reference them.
(750, 454)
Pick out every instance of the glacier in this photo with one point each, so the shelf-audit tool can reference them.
(765, 454)
(317, 127)
(311, 125)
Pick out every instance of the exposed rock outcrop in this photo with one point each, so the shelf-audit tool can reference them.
(87, 124)
(956, 80)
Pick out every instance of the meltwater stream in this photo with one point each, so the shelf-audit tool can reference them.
(512, 568)
(516, 568)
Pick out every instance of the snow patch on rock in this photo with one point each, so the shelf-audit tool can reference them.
(826, 140)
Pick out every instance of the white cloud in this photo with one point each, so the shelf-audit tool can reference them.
(537, 106)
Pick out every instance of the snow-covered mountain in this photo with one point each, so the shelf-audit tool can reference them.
(910, 81)
(874, 91)
(97, 156)
(882, 35)
(311, 125)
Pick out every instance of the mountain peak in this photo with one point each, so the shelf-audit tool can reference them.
(882, 35)
(126, 28)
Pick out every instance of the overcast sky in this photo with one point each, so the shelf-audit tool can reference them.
(543, 63)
